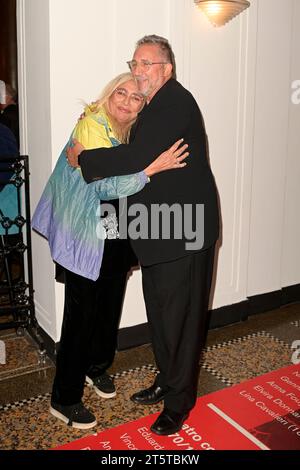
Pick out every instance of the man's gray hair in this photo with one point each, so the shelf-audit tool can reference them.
(164, 46)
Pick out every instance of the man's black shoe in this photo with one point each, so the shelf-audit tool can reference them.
(168, 422)
(149, 396)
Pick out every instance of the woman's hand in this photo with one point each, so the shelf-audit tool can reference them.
(169, 160)
(73, 152)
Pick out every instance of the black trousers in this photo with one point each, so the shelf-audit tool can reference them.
(176, 296)
(89, 332)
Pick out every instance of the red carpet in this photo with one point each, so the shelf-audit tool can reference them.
(263, 413)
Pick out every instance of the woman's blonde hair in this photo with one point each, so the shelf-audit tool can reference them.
(121, 132)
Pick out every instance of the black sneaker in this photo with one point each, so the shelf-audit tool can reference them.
(77, 416)
(103, 385)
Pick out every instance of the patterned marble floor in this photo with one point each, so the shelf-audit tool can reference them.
(233, 354)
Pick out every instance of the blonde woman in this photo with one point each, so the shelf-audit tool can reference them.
(94, 257)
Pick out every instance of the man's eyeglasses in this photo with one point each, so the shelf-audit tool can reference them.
(145, 64)
(121, 94)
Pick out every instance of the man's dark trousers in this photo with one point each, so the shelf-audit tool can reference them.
(176, 296)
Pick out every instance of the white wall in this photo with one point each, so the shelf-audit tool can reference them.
(241, 76)
(221, 75)
(271, 131)
(290, 260)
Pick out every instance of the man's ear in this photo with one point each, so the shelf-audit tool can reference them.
(168, 70)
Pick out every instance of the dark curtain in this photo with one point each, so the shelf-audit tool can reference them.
(8, 43)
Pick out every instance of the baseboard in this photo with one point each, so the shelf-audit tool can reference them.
(220, 317)
(264, 302)
(272, 300)
(138, 335)
(291, 294)
(228, 314)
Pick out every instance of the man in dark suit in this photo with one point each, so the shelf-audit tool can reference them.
(178, 230)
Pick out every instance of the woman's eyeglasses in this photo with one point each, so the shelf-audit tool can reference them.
(121, 94)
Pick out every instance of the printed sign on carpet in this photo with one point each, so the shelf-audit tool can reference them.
(258, 414)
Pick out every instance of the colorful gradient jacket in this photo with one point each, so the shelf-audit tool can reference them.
(68, 212)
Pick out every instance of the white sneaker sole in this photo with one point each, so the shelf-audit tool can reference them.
(76, 425)
(99, 392)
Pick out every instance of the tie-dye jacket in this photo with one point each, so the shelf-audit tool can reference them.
(68, 212)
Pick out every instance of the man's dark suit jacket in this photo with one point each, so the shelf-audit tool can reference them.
(172, 114)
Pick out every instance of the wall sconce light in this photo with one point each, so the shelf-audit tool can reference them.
(219, 12)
